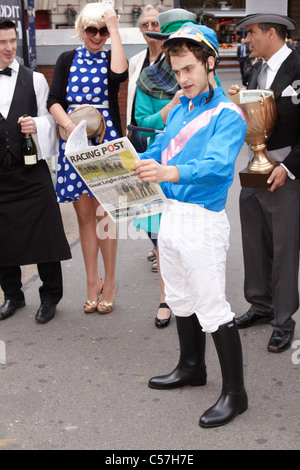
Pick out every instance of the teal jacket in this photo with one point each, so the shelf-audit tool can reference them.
(147, 111)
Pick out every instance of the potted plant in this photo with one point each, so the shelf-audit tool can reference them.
(135, 13)
(71, 14)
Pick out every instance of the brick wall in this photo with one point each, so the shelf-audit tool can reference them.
(47, 71)
(123, 105)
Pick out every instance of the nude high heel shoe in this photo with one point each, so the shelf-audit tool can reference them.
(90, 306)
(106, 307)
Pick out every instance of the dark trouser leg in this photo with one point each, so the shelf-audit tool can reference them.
(257, 252)
(270, 234)
(191, 368)
(233, 399)
(52, 288)
(139, 141)
(11, 284)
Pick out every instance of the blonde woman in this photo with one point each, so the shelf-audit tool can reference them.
(91, 74)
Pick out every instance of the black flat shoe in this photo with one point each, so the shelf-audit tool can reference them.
(280, 341)
(9, 308)
(151, 256)
(154, 267)
(250, 318)
(162, 323)
(46, 312)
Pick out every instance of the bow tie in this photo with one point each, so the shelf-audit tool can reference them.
(6, 71)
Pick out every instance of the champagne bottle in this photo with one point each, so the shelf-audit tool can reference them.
(29, 150)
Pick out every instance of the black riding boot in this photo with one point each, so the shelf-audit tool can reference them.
(191, 368)
(233, 399)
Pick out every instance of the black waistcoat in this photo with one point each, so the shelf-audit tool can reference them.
(286, 132)
(23, 102)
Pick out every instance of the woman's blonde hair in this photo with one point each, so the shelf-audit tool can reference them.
(91, 15)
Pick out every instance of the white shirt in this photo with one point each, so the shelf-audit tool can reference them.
(45, 138)
(275, 62)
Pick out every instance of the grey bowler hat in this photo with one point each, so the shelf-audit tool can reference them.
(273, 11)
(170, 21)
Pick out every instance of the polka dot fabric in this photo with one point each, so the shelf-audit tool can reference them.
(87, 85)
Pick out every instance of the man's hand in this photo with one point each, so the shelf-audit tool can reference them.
(28, 125)
(277, 178)
(150, 170)
(235, 89)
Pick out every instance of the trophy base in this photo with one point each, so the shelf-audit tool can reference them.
(249, 179)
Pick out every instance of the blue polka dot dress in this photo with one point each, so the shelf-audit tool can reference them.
(87, 85)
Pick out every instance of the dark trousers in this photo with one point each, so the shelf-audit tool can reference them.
(138, 141)
(243, 69)
(50, 274)
(270, 235)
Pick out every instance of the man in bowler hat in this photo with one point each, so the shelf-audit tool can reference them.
(270, 217)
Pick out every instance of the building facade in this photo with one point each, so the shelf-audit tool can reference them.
(55, 29)
(59, 14)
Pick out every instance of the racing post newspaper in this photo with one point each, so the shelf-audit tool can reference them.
(107, 171)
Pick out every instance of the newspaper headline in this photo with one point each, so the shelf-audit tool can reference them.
(106, 169)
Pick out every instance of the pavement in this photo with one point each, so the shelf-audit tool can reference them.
(80, 381)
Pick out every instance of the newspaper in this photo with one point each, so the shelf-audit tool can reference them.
(107, 171)
(250, 96)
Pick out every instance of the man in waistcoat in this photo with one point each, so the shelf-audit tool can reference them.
(270, 218)
(31, 229)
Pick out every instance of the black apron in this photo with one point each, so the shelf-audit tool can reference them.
(31, 228)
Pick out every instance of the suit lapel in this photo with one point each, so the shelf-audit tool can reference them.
(285, 76)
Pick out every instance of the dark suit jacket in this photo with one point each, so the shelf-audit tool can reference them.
(287, 131)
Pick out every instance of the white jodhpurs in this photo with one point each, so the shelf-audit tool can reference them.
(193, 244)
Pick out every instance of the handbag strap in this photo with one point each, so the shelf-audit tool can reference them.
(75, 106)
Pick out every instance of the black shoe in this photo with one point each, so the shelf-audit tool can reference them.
(154, 267)
(9, 307)
(280, 341)
(151, 256)
(46, 312)
(250, 318)
(162, 323)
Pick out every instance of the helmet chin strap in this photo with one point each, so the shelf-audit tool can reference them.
(211, 90)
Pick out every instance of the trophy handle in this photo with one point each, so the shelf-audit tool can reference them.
(264, 113)
(261, 163)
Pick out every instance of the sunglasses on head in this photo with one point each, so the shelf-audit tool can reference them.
(92, 31)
